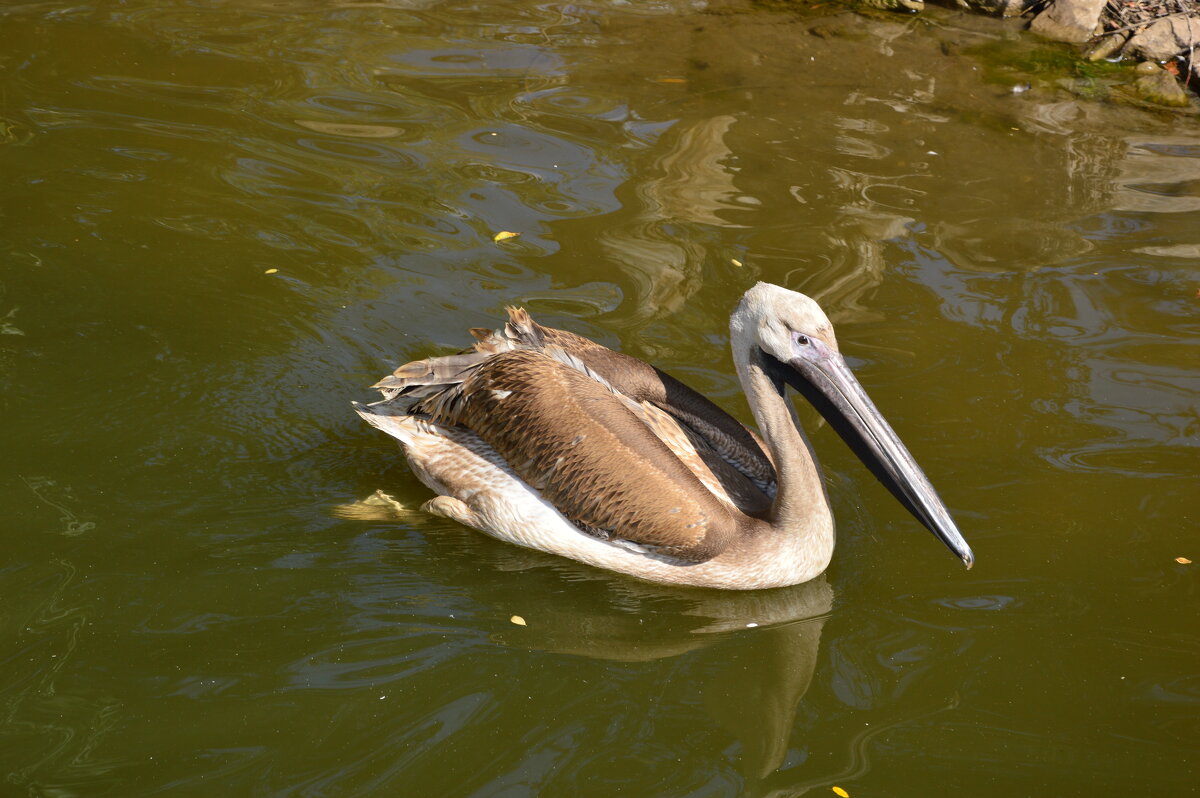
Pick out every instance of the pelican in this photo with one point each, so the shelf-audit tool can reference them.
(548, 440)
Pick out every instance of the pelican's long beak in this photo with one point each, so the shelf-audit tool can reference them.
(823, 377)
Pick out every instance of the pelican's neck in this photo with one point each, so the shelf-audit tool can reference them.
(801, 506)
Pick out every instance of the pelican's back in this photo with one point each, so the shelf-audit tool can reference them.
(620, 448)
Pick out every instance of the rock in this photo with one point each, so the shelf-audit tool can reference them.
(1161, 88)
(997, 7)
(1014, 8)
(1105, 46)
(1165, 38)
(1069, 20)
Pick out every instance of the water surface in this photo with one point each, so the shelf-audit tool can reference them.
(221, 221)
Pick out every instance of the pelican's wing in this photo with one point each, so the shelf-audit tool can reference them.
(721, 432)
(748, 481)
(425, 377)
(421, 378)
(710, 466)
(571, 437)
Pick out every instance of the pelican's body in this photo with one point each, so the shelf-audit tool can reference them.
(548, 440)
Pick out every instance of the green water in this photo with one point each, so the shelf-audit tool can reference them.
(1013, 276)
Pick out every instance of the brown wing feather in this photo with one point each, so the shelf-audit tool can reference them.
(576, 442)
(730, 439)
(694, 451)
(423, 377)
(715, 435)
(640, 381)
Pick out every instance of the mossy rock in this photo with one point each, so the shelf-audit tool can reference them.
(1161, 88)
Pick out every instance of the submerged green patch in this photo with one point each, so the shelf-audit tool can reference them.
(1008, 63)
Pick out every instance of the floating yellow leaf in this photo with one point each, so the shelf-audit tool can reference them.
(1183, 561)
(841, 792)
(518, 620)
(671, 80)
(504, 235)
(270, 271)
(735, 261)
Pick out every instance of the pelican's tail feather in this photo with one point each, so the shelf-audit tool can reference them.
(390, 419)
(424, 377)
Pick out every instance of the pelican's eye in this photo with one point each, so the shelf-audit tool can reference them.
(800, 339)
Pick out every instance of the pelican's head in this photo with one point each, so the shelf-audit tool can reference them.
(779, 320)
(792, 341)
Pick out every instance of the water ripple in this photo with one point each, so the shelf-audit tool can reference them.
(226, 220)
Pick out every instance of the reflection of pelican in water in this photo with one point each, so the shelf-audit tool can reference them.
(548, 440)
(752, 655)
(742, 659)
